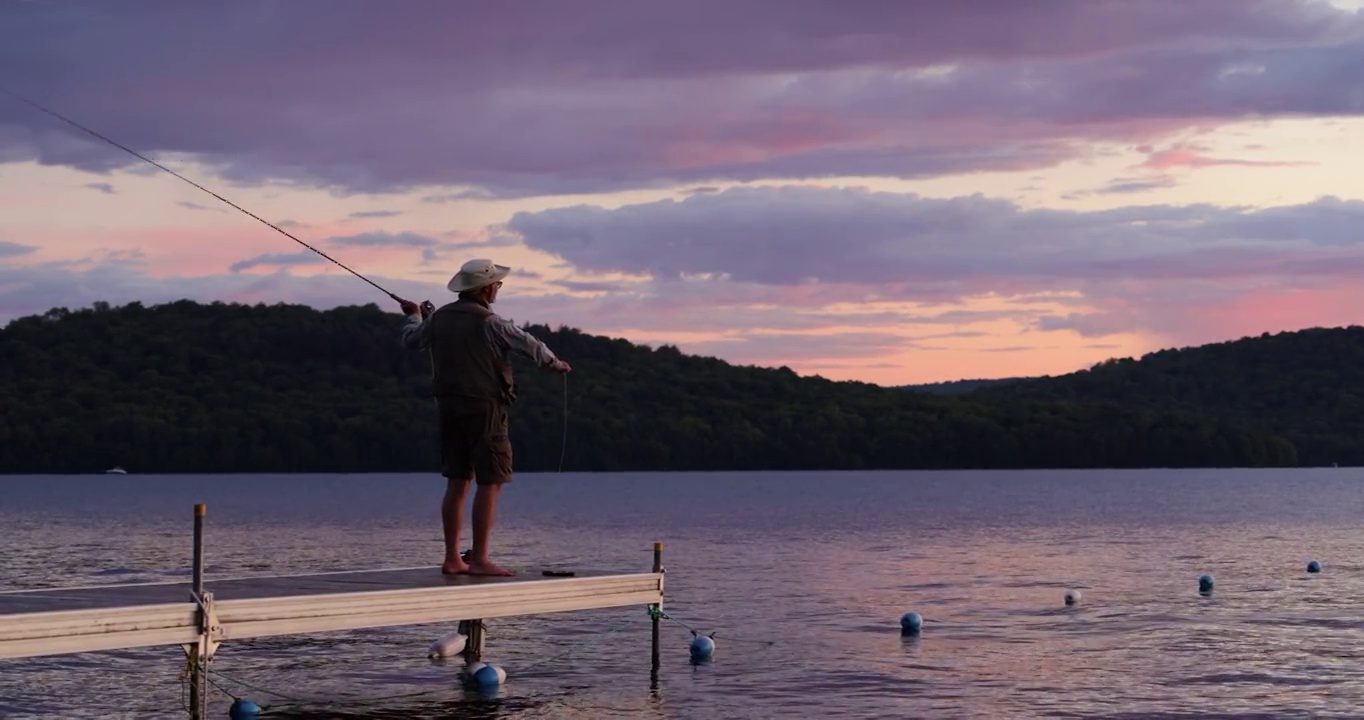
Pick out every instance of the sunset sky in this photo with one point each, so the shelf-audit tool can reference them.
(895, 192)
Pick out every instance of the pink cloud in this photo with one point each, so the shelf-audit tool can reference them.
(1177, 157)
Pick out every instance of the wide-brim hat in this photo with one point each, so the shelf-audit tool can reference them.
(477, 273)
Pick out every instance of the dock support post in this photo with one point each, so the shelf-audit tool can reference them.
(473, 646)
(654, 613)
(198, 686)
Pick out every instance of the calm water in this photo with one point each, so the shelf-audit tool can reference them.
(802, 576)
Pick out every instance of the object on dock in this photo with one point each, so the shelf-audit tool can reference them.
(911, 623)
(1072, 597)
(1314, 567)
(702, 647)
(201, 614)
(1205, 584)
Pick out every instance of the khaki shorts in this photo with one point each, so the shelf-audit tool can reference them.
(474, 440)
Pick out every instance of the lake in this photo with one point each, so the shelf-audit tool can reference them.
(802, 576)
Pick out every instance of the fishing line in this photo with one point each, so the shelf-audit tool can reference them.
(564, 445)
(140, 156)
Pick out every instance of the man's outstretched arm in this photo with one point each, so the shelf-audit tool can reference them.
(518, 340)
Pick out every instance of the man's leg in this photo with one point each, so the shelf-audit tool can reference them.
(451, 513)
(457, 466)
(485, 516)
(493, 468)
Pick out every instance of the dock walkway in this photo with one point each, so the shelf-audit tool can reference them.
(89, 619)
(202, 613)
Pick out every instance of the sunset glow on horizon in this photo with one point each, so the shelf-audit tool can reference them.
(925, 192)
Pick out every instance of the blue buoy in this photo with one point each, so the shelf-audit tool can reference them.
(1205, 583)
(702, 647)
(243, 709)
(1314, 567)
(1072, 597)
(911, 623)
(484, 675)
(489, 675)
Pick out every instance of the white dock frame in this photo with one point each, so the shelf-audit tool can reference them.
(201, 623)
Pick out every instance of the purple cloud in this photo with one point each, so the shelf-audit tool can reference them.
(9, 249)
(1135, 185)
(384, 239)
(374, 214)
(1135, 269)
(615, 95)
(442, 251)
(496, 241)
(477, 194)
(778, 348)
(305, 257)
(934, 248)
(587, 287)
(105, 188)
(196, 206)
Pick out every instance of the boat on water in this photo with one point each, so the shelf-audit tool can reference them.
(115, 470)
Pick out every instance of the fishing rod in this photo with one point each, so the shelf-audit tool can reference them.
(426, 306)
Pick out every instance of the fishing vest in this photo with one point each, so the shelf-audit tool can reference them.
(464, 362)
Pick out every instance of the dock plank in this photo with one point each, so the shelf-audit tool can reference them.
(91, 597)
(65, 620)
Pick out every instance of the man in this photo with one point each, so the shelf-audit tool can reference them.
(473, 386)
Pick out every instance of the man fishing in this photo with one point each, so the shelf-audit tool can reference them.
(472, 381)
(473, 386)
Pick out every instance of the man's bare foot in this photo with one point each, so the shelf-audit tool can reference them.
(454, 567)
(487, 567)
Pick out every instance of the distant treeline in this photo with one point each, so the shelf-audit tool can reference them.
(190, 387)
(1306, 387)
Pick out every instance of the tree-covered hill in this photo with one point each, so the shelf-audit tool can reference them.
(189, 387)
(958, 387)
(1305, 386)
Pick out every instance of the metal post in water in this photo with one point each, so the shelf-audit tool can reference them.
(199, 511)
(473, 644)
(197, 685)
(658, 568)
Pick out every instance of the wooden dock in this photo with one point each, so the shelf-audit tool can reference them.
(202, 613)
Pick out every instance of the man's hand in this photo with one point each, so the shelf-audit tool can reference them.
(411, 308)
(561, 367)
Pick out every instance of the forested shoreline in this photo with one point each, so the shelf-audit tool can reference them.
(200, 388)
